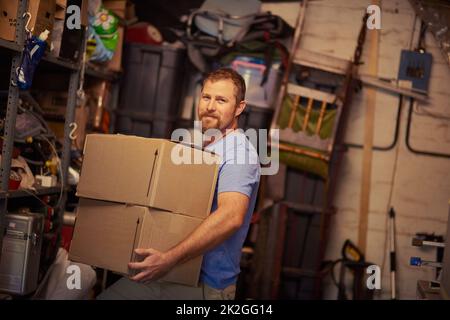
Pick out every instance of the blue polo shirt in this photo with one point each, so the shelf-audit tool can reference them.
(239, 171)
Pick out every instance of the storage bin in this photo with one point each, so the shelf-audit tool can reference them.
(151, 91)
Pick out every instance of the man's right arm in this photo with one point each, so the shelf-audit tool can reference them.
(215, 229)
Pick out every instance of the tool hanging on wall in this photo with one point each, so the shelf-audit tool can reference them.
(426, 241)
(353, 259)
(423, 239)
(417, 261)
(393, 258)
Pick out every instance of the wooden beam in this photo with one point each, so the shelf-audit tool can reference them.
(372, 81)
(307, 114)
(323, 107)
(298, 150)
(321, 61)
(368, 139)
(311, 93)
(293, 111)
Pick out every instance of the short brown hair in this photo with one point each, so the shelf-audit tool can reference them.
(229, 74)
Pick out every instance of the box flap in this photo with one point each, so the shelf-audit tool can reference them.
(122, 174)
(196, 182)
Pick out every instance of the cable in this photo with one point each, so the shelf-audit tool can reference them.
(40, 119)
(33, 162)
(396, 133)
(60, 170)
(425, 113)
(407, 137)
(35, 196)
(423, 28)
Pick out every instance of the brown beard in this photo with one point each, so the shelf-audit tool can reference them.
(213, 127)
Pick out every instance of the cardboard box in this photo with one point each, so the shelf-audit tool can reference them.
(56, 36)
(116, 6)
(107, 233)
(60, 11)
(130, 11)
(140, 171)
(42, 17)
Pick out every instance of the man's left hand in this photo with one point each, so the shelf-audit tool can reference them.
(155, 265)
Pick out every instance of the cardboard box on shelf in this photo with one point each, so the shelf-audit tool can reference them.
(107, 233)
(57, 127)
(42, 17)
(116, 6)
(140, 171)
(130, 11)
(56, 36)
(60, 11)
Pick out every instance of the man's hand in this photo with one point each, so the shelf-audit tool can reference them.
(216, 228)
(154, 266)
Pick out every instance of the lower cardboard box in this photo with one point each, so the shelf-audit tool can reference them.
(106, 234)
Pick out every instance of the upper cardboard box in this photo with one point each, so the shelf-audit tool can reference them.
(42, 16)
(140, 171)
(106, 234)
(116, 6)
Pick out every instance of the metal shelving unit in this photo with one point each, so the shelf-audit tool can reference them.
(74, 69)
(40, 191)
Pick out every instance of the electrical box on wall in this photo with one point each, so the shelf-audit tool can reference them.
(415, 70)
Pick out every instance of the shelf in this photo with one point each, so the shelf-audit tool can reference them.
(101, 73)
(91, 70)
(40, 191)
(10, 45)
(59, 62)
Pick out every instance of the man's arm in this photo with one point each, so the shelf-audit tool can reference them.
(216, 228)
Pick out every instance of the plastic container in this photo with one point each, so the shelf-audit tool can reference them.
(151, 92)
(252, 70)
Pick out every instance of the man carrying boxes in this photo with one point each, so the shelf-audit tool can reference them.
(161, 210)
